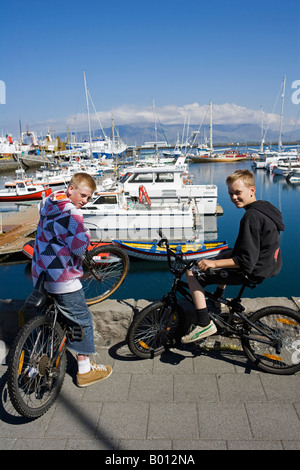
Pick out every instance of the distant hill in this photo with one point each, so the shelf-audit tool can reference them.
(137, 133)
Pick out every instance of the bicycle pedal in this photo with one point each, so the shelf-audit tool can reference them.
(199, 341)
(76, 333)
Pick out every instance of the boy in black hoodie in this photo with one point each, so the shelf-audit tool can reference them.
(255, 256)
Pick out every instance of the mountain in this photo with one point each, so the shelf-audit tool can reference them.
(137, 134)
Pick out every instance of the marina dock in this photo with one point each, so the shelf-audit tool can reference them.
(16, 229)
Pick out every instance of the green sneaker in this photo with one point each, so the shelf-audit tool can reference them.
(199, 332)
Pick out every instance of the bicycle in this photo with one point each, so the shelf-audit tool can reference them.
(104, 269)
(37, 359)
(269, 337)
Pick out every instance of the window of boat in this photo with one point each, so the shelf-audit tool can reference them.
(111, 199)
(141, 178)
(164, 177)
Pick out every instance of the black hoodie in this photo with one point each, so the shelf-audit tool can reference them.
(257, 247)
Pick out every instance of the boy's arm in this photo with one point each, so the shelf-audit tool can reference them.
(205, 264)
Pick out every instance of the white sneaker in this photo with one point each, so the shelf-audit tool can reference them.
(198, 332)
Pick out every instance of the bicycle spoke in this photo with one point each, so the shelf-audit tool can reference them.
(275, 346)
(34, 381)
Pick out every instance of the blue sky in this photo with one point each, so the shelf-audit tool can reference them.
(182, 54)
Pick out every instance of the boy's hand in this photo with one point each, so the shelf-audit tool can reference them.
(205, 264)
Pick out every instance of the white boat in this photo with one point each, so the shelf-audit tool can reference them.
(169, 185)
(284, 169)
(7, 146)
(20, 177)
(154, 158)
(114, 215)
(294, 179)
(101, 146)
(284, 162)
(259, 164)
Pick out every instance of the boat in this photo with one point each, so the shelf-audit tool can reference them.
(284, 169)
(112, 214)
(102, 146)
(28, 247)
(24, 191)
(292, 178)
(283, 163)
(228, 156)
(209, 155)
(169, 185)
(20, 177)
(7, 146)
(151, 251)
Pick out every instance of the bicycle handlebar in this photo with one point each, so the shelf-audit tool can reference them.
(178, 257)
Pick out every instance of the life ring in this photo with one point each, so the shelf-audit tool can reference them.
(143, 194)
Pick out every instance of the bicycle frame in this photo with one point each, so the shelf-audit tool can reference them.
(233, 304)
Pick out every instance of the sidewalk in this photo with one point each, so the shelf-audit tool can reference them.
(185, 400)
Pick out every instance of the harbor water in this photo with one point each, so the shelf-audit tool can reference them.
(151, 280)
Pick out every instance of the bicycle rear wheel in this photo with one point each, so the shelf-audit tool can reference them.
(33, 381)
(105, 268)
(281, 353)
(154, 330)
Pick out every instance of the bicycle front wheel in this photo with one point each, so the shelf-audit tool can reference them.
(276, 347)
(155, 329)
(34, 381)
(105, 268)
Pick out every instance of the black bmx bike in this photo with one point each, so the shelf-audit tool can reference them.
(269, 337)
(37, 359)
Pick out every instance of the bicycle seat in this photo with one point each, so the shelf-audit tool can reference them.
(38, 296)
(250, 283)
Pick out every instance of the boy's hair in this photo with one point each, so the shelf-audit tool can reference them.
(245, 175)
(79, 179)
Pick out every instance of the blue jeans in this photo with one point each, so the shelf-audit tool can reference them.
(73, 306)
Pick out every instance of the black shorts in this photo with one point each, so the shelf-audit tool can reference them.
(223, 276)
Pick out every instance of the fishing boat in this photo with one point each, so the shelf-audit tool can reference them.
(152, 252)
(170, 185)
(24, 191)
(112, 214)
(20, 177)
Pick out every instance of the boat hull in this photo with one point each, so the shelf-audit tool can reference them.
(137, 224)
(204, 159)
(152, 252)
(33, 196)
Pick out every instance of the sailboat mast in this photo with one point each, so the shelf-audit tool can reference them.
(210, 130)
(88, 113)
(281, 116)
(262, 130)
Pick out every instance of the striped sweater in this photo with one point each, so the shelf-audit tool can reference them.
(61, 240)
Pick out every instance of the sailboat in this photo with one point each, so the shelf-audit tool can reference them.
(208, 155)
(102, 146)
